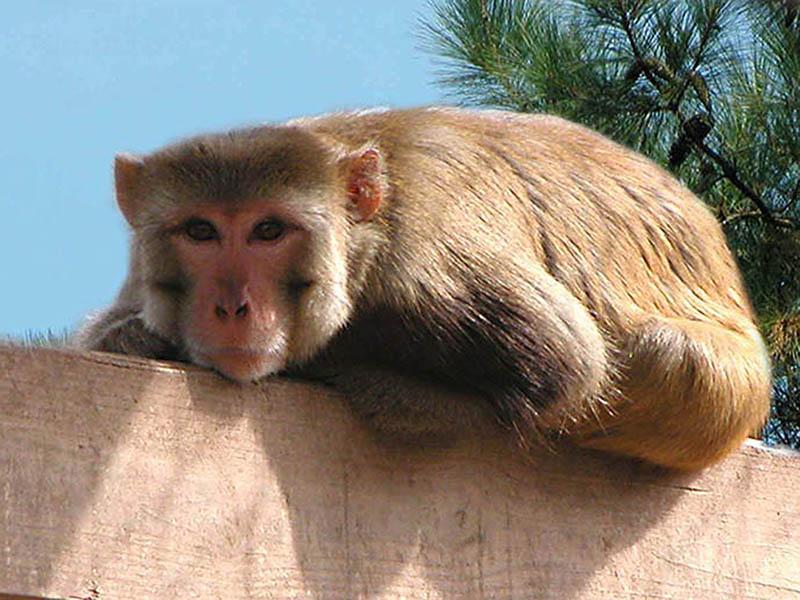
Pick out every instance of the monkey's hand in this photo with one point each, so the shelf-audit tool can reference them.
(127, 335)
(404, 407)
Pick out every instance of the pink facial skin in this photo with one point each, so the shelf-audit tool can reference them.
(238, 259)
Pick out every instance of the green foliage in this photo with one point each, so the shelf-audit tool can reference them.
(708, 88)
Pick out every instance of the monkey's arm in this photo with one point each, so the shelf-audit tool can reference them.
(526, 354)
(121, 327)
(403, 406)
(125, 333)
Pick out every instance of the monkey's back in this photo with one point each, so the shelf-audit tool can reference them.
(623, 235)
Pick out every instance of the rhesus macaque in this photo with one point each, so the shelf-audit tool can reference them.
(570, 284)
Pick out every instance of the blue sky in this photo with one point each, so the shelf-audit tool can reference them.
(84, 80)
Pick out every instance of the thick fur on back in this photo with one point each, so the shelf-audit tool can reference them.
(619, 232)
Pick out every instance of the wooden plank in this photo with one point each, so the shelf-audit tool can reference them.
(122, 478)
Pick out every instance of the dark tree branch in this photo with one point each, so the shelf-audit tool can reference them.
(756, 215)
(627, 27)
(794, 197)
(705, 38)
(728, 169)
(731, 174)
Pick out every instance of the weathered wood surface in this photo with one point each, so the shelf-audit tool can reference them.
(122, 478)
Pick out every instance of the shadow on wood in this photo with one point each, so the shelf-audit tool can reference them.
(127, 478)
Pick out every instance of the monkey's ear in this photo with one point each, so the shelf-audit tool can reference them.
(127, 174)
(365, 182)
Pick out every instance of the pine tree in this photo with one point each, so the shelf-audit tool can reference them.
(708, 88)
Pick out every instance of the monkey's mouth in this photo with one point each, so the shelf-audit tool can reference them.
(242, 364)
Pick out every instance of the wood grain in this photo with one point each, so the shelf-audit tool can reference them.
(124, 478)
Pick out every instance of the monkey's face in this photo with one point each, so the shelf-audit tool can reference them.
(238, 312)
(242, 241)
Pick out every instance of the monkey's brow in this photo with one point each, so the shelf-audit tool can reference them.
(314, 218)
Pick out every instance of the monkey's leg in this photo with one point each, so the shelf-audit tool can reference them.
(126, 334)
(691, 391)
(527, 351)
(534, 351)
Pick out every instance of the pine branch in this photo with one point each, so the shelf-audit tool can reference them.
(731, 173)
(755, 215)
(655, 77)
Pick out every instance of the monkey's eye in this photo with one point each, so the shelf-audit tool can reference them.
(200, 230)
(268, 230)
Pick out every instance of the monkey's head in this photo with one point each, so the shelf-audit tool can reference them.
(240, 243)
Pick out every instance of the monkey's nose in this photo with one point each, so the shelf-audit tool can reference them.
(223, 311)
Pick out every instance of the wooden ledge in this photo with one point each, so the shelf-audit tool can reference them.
(123, 478)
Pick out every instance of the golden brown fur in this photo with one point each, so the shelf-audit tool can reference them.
(570, 282)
